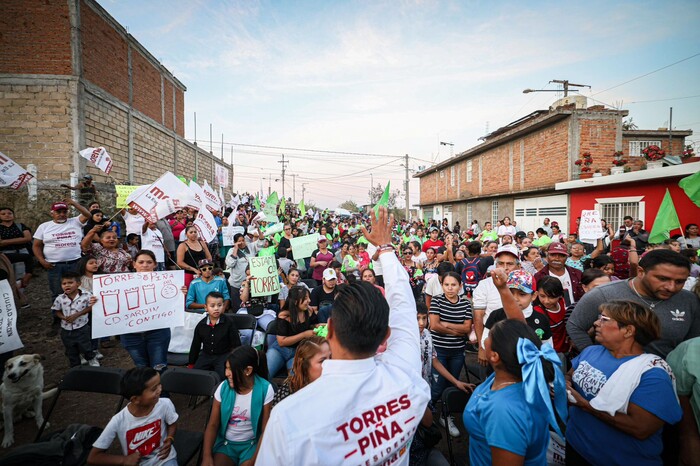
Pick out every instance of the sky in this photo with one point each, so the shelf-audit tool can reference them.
(357, 85)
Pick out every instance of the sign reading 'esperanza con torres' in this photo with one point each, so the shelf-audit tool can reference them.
(136, 302)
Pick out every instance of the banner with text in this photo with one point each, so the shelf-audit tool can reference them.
(12, 175)
(98, 156)
(304, 246)
(123, 193)
(590, 228)
(229, 232)
(161, 198)
(264, 272)
(136, 302)
(205, 225)
(211, 199)
(9, 338)
(221, 175)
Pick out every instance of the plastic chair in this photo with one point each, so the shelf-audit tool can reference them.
(87, 379)
(453, 402)
(271, 330)
(195, 383)
(245, 322)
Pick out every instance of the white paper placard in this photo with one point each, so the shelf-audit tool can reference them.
(9, 338)
(590, 228)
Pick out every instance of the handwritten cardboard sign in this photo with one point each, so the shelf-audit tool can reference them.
(136, 302)
(9, 338)
(123, 192)
(229, 232)
(590, 228)
(264, 272)
(304, 246)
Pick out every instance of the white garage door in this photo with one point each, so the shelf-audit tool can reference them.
(530, 212)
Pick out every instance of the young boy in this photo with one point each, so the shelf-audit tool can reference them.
(550, 301)
(215, 336)
(132, 244)
(145, 427)
(72, 308)
(521, 287)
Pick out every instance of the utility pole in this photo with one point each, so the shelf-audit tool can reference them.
(284, 167)
(294, 188)
(670, 129)
(303, 190)
(222, 147)
(408, 203)
(211, 140)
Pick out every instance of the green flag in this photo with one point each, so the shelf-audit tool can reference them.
(283, 206)
(691, 186)
(272, 199)
(666, 221)
(302, 208)
(257, 204)
(384, 200)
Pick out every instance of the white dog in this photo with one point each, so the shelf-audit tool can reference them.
(22, 393)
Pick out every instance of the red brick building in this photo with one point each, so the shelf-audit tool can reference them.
(514, 171)
(72, 77)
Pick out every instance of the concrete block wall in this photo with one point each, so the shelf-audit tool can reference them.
(36, 124)
(106, 126)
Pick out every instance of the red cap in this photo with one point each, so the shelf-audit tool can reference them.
(557, 248)
(59, 206)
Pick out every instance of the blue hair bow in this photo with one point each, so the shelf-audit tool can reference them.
(534, 383)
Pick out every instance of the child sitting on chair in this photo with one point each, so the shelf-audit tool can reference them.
(145, 427)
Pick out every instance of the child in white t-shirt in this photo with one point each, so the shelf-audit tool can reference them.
(145, 427)
(242, 405)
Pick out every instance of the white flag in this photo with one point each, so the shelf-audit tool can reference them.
(211, 200)
(12, 175)
(98, 156)
(198, 195)
(205, 225)
(9, 338)
(222, 202)
(161, 198)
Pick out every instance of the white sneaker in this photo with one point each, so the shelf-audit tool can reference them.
(99, 356)
(83, 361)
(451, 427)
(95, 363)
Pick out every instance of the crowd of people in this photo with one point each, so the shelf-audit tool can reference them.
(591, 347)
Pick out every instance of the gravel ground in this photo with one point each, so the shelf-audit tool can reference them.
(36, 332)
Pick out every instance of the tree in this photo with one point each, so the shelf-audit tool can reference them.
(628, 124)
(376, 193)
(350, 205)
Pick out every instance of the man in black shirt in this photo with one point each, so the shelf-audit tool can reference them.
(322, 296)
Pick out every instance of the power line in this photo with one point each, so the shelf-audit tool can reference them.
(647, 74)
(664, 100)
(319, 151)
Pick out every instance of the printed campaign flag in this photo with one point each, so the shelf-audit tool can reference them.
(198, 195)
(222, 202)
(136, 302)
(283, 206)
(211, 200)
(9, 338)
(665, 222)
(12, 175)
(98, 156)
(221, 175)
(235, 202)
(257, 204)
(161, 198)
(205, 225)
(272, 199)
(302, 208)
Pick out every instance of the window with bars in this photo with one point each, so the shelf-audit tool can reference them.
(494, 213)
(452, 176)
(469, 171)
(469, 215)
(613, 213)
(636, 147)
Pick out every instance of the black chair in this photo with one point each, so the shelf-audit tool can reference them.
(453, 402)
(194, 383)
(245, 322)
(476, 371)
(87, 379)
(310, 282)
(271, 330)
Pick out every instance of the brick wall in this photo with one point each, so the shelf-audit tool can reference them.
(637, 162)
(35, 124)
(180, 112)
(146, 79)
(168, 103)
(105, 54)
(35, 37)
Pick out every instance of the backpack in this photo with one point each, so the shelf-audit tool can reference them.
(471, 275)
(69, 447)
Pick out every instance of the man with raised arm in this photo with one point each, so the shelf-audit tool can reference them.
(364, 409)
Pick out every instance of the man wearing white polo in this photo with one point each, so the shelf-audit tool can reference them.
(57, 243)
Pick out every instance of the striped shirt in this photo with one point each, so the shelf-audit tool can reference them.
(455, 313)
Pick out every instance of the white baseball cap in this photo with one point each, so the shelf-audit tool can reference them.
(329, 274)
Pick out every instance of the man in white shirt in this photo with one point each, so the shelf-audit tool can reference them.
(546, 227)
(486, 295)
(57, 243)
(364, 409)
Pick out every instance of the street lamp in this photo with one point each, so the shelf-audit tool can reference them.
(563, 82)
(452, 147)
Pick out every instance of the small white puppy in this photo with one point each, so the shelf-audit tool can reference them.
(22, 392)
